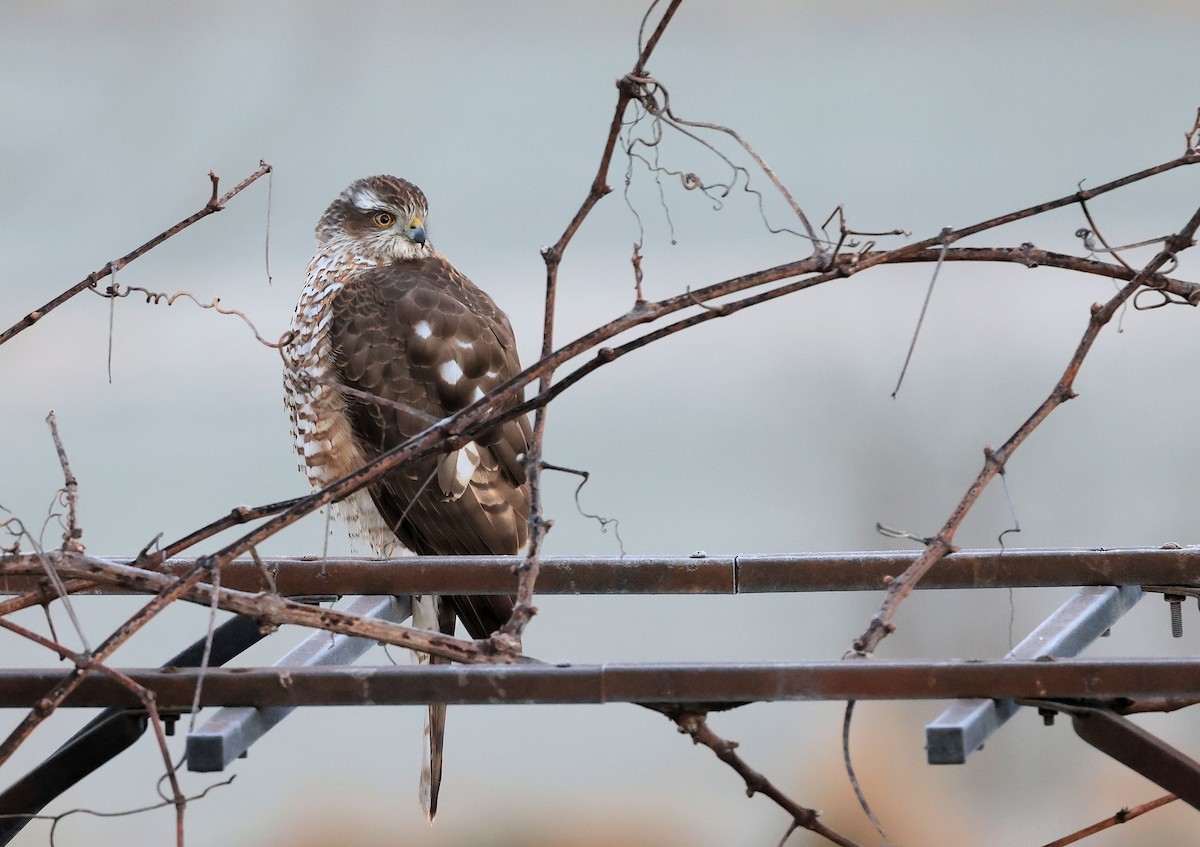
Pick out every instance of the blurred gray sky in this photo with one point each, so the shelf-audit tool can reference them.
(769, 431)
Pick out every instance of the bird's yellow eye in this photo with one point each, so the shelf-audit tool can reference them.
(384, 219)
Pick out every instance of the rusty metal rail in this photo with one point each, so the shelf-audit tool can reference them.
(633, 683)
(697, 574)
(1084, 688)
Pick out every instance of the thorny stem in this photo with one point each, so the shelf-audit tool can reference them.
(524, 610)
(45, 593)
(214, 204)
(238, 515)
(696, 725)
(1026, 255)
(268, 608)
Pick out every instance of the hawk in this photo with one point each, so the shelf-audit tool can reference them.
(387, 338)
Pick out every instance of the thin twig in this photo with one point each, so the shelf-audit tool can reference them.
(696, 725)
(848, 764)
(269, 608)
(55, 820)
(1096, 229)
(45, 593)
(267, 233)
(88, 662)
(214, 204)
(994, 460)
(173, 590)
(600, 519)
(921, 317)
(155, 297)
(650, 88)
(268, 577)
(72, 535)
(509, 637)
(238, 515)
(1123, 816)
(55, 581)
(206, 653)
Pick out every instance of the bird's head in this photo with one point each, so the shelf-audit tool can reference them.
(382, 217)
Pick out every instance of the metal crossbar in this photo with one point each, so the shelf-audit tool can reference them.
(230, 732)
(695, 574)
(1177, 679)
(258, 698)
(966, 725)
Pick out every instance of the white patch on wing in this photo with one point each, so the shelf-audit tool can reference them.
(456, 470)
(462, 343)
(477, 395)
(423, 329)
(451, 372)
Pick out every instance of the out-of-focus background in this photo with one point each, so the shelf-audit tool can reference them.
(771, 431)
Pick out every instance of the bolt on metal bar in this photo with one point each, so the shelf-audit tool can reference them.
(966, 724)
(695, 574)
(1138, 679)
(230, 732)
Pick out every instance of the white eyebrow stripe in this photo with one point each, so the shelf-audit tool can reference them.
(366, 200)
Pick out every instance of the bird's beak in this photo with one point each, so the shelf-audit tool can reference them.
(417, 232)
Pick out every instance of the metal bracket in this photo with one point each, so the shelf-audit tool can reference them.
(1134, 747)
(229, 733)
(966, 724)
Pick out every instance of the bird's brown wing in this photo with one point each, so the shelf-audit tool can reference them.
(424, 341)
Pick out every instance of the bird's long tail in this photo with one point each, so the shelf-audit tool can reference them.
(431, 765)
(430, 612)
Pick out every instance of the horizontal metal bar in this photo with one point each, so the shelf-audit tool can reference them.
(698, 574)
(230, 732)
(966, 724)
(638, 683)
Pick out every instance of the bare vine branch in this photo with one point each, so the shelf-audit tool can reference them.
(509, 637)
(1123, 816)
(640, 92)
(113, 291)
(85, 661)
(994, 460)
(696, 725)
(214, 204)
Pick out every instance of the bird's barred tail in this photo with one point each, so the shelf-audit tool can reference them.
(431, 764)
(431, 612)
